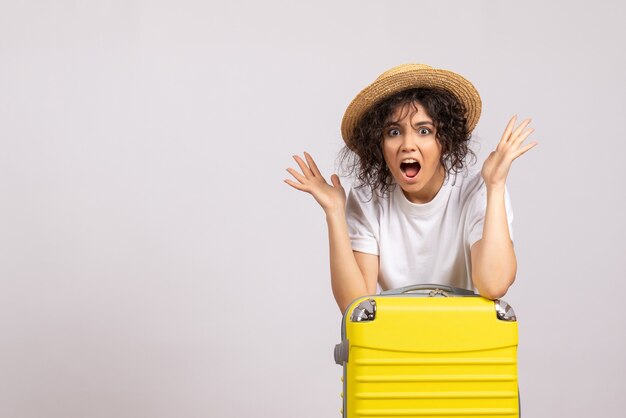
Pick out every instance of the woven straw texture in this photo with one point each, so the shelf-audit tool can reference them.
(408, 76)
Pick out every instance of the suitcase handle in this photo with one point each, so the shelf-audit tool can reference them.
(428, 286)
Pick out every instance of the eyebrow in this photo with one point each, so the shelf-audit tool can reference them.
(424, 122)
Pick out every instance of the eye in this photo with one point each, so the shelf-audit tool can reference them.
(393, 132)
(424, 131)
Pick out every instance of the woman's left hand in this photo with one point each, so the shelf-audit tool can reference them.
(496, 167)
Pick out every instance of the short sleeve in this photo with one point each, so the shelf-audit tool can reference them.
(476, 215)
(363, 224)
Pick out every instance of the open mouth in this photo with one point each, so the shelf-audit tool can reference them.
(410, 168)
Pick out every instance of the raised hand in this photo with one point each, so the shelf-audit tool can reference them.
(330, 197)
(496, 167)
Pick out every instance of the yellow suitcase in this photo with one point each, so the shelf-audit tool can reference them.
(429, 351)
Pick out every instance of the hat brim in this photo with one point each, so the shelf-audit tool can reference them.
(407, 77)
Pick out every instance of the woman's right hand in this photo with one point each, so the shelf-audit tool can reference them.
(330, 197)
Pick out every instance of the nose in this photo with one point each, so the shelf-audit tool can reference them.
(409, 144)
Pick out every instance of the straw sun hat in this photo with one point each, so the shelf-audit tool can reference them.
(408, 76)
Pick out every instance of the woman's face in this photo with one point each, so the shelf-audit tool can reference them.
(412, 152)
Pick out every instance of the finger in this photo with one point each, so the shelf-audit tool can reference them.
(297, 175)
(508, 130)
(519, 129)
(525, 149)
(295, 185)
(335, 180)
(518, 141)
(305, 169)
(312, 164)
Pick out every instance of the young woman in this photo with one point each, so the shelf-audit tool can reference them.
(416, 213)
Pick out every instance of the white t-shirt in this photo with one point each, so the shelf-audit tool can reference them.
(422, 243)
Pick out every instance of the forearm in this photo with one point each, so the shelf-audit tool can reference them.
(347, 280)
(494, 264)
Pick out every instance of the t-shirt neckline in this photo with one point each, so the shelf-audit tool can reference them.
(421, 209)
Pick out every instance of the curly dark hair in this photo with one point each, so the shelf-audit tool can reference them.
(365, 159)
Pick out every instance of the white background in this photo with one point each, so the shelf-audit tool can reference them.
(152, 261)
